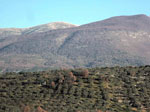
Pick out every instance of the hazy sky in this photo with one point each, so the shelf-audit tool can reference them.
(26, 13)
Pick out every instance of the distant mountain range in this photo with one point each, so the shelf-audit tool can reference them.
(117, 41)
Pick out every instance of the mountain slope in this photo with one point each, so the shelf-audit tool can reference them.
(123, 40)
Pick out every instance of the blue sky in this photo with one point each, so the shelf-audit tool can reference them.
(27, 13)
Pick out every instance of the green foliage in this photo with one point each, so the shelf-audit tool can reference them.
(116, 89)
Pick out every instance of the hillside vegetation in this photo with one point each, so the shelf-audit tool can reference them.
(117, 41)
(114, 89)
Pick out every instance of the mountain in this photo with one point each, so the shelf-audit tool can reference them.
(4, 32)
(117, 41)
(47, 27)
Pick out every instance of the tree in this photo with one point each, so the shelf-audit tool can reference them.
(53, 84)
(27, 109)
(39, 109)
(85, 73)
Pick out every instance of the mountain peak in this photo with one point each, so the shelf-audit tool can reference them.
(49, 26)
(134, 22)
(62, 23)
(56, 25)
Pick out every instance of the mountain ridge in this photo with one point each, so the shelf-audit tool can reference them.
(117, 41)
(36, 29)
